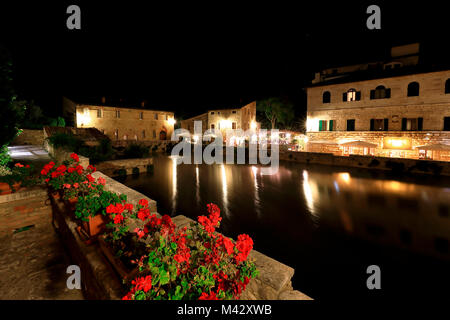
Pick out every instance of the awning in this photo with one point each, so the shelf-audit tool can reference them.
(359, 144)
(435, 147)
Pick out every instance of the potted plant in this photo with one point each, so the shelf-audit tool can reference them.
(18, 177)
(121, 247)
(91, 210)
(191, 263)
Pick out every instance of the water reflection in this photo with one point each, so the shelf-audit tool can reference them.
(314, 218)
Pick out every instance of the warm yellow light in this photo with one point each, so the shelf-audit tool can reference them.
(224, 124)
(171, 121)
(345, 176)
(253, 125)
(83, 118)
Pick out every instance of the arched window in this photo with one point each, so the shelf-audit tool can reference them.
(326, 97)
(413, 89)
(351, 95)
(380, 92)
(447, 86)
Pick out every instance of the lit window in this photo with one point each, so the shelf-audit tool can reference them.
(351, 95)
(99, 113)
(141, 115)
(117, 113)
(156, 116)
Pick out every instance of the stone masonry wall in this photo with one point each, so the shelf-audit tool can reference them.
(23, 208)
(110, 167)
(29, 137)
(377, 163)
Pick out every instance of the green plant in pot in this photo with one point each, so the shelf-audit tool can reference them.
(91, 210)
(17, 177)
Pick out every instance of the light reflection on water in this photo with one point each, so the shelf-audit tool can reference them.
(314, 218)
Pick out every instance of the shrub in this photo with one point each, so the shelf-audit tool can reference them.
(5, 158)
(65, 141)
(136, 151)
(19, 174)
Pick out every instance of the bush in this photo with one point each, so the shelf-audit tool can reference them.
(5, 158)
(189, 263)
(136, 151)
(65, 141)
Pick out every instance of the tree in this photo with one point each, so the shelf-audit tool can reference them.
(276, 111)
(11, 110)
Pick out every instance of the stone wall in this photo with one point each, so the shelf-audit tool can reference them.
(154, 145)
(59, 155)
(111, 167)
(368, 162)
(29, 137)
(23, 208)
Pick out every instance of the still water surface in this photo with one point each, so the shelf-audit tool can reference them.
(328, 223)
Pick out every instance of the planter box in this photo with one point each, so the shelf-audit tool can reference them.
(118, 265)
(95, 226)
(6, 189)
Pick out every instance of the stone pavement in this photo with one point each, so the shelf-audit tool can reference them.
(28, 154)
(33, 266)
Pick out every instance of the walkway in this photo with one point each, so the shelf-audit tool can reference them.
(33, 262)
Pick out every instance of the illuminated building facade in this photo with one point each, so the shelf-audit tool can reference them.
(222, 119)
(393, 114)
(121, 123)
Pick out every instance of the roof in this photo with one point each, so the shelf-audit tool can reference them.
(359, 144)
(378, 74)
(113, 103)
(435, 147)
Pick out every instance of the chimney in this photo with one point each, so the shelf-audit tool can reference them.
(143, 103)
(103, 99)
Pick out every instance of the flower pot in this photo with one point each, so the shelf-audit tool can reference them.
(6, 189)
(121, 269)
(95, 225)
(71, 203)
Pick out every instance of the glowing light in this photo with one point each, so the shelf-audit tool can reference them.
(224, 189)
(195, 137)
(253, 125)
(174, 183)
(171, 121)
(344, 176)
(224, 124)
(308, 192)
(83, 118)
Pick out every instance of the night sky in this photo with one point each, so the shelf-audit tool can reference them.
(194, 56)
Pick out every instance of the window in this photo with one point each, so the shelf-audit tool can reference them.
(234, 111)
(233, 125)
(141, 115)
(351, 95)
(380, 92)
(154, 133)
(167, 117)
(351, 125)
(99, 113)
(447, 124)
(212, 126)
(412, 124)
(379, 124)
(117, 113)
(326, 97)
(156, 116)
(143, 134)
(218, 112)
(413, 89)
(325, 125)
(125, 137)
(447, 86)
(212, 112)
(116, 133)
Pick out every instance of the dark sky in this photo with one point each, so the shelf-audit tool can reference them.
(192, 56)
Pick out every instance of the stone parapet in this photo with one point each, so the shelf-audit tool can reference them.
(111, 167)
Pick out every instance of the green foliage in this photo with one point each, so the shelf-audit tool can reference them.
(19, 174)
(61, 122)
(5, 158)
(276, 111)
(93, 203)
(65, 141)
(136, 151)
(12, 110)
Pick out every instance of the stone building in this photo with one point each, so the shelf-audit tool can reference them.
(222, 119)
(121, 122)
(386, 112)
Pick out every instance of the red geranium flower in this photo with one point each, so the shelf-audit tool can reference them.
(75, 157)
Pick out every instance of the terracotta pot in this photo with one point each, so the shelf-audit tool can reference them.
(71, 203)
(117, 264)
(95, 225)
(6, 189)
